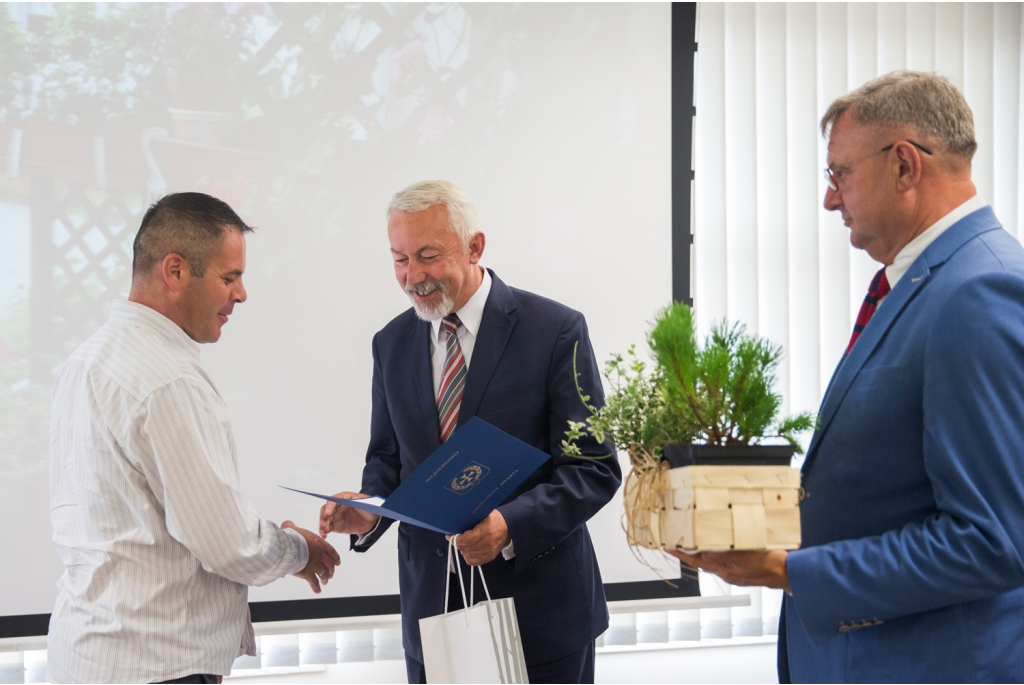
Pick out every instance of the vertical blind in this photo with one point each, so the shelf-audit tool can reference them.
(766, 253)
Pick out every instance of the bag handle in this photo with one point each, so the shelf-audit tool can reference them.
(453, 544)
(482, 582)
(447, 572)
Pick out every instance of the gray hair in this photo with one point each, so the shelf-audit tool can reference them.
(462, 219)
(925, 102)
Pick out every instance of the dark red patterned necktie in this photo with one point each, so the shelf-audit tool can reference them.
(453, 379)
(878, 289)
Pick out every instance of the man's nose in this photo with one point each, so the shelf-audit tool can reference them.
(414, 274)
(833, 199)
(241, 295)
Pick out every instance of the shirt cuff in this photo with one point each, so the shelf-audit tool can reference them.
(297, 548)
(509, 553)
(361, 540)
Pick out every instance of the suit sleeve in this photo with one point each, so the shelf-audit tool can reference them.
(546, 514)
(971, 549)
(382, 473)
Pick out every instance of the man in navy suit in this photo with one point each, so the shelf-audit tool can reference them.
(912, 564)
(472, 346)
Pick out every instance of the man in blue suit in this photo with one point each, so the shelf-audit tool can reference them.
(472, 346)
(912, 564)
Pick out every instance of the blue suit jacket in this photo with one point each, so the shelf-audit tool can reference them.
(911, 568)
(521, 380)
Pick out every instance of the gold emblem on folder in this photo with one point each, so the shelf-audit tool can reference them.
(472, 474)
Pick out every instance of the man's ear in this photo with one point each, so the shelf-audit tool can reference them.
(174, 272)
(908, 170)
(476, 247)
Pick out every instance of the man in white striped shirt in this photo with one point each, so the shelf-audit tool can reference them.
(159, 542)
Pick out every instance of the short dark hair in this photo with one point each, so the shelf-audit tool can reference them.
(189, 224)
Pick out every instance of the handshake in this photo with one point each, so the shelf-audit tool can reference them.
(478, 546)
(323, 558)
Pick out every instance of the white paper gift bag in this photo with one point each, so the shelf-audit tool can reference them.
(479, 644)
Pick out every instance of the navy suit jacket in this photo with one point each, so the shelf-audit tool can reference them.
(520, 380)
(911, 568)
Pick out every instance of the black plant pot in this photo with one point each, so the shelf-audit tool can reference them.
(728, 455)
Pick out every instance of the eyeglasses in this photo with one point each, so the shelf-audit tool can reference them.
(833, 182)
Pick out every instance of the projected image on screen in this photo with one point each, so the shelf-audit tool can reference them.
(306, 119)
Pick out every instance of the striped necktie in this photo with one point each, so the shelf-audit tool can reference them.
(453, 379)
(878, 289)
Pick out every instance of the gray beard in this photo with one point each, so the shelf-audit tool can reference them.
(428, 312)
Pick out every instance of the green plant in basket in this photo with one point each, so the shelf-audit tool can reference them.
(635, 416)
(718, 392)
(724, 388)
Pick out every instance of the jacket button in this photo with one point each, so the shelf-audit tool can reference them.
(440, 552)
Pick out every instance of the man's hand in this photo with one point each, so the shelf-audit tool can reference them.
(322, 558)
(485, 541)
(767, 569)
(337, 518)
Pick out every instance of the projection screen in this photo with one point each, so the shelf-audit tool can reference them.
(306, 119)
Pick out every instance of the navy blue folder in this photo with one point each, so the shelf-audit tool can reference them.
(458, 485)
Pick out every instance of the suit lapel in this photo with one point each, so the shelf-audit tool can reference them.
(423, 373)
(917, 277)
(495, 329)
(851, 364)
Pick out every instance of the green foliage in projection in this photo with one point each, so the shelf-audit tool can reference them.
(14, 56)
(24, 405)
(86, 66)
(316, 91)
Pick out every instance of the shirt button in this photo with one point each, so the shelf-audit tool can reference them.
(440, 552)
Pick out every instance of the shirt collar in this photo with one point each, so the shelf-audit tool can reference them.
(125, 312)
(912, 250)
(472, 313)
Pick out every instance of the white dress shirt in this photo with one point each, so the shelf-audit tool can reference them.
(912, 250)
(471, 314)
(159, 543)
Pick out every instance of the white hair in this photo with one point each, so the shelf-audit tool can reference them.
(462, 219)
